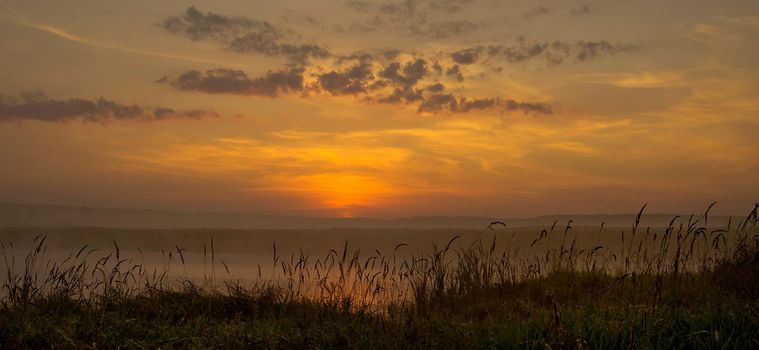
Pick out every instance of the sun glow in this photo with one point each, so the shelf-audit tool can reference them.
(343, 191)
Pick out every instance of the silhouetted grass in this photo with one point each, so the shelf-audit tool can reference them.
(688, 286)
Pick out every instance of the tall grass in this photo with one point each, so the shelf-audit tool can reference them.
(551, 286)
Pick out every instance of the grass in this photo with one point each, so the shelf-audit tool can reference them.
(688, 286)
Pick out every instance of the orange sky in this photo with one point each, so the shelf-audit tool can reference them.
(381, 108)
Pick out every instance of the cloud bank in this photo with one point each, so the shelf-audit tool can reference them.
(243, 35)
(220, 81)
(552, 53)
(422, 79)
(38, 106)
(408, 83)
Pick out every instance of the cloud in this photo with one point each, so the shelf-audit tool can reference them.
(348, 82)
(412, 17)
(443, 29)
(585, 50)
(455, 71)
(242, 35)
(536, 12)
(399, 83)
(448, 102)
(438, 102)
(400, 95)
(408, 8)
(419, 29)
(358, 5)
(387, 77)
(198, 26)
(221, 81)
(465, 56)
(37, 106)
(257, 43)
(553, 53)
(581, 10)
(447, 6)
(417, 18)
(435, 87)
(411, 74)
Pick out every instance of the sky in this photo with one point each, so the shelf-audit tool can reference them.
(381, 108)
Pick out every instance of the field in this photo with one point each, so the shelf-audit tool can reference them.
(692, 284)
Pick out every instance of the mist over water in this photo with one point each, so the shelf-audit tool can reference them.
(346, 261)
(209, 257)
(50, 216)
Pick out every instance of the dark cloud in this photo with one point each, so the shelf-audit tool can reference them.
(408, 8)
(197, 26)
(39, 107)
(391, 54)
(402, 95)
(242, 35)
(438, 102)
(582, 10)
(529, 107)
(455, 72)
(450, 103)
(409, 94)
(464, 56)
(585, 50)
(411, 17)
(437, 68)
(387, 76)
(536, 12)
(258, 43)
(553, 53)
(411, 73)
(435, 87)
(348, 82)
(395, 83)
(359, 5)
(227, 81)
(443, 29)
(418, 18)
(303, 19)
(422, 29)
(360, 56)
(447, 6)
